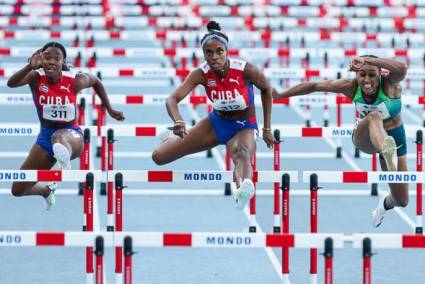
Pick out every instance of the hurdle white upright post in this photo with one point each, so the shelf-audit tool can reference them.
(313, 226)
(128, 255)
(285, 227)
(99, 252)
(328, 254)
(374, 186)
(276, 195)
(118, 225)
(252, 202)
(89, 226)
(110, 184)
(367, 265)
(419, 147)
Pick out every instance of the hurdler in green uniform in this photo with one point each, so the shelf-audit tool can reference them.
(376, 93)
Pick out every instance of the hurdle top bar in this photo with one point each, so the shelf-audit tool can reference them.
(207, 239)
(141, 176)
(199, 176)
(32, 129)
(364, 177)
(48, 175)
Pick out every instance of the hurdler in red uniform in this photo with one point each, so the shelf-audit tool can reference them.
(229, 86)
(54, 89)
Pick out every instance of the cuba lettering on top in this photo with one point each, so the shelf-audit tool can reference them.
(224, 95)
(52, 100)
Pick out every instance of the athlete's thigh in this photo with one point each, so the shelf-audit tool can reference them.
(361, 138)
(244, 138)
(70, 137)
(37, 159)
(199, 138)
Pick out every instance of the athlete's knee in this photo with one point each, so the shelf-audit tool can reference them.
(58, 137)
(18, 189)
(374, 116)
(241, 153)
(156, 157)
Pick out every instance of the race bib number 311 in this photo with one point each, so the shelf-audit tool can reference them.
(59, 112)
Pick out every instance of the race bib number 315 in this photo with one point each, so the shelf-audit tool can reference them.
(59, 112)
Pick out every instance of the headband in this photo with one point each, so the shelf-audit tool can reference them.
(217, 36)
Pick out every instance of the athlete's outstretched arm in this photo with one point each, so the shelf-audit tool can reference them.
(346, 87)
(86, 80)
(397, 70)
(255, 76)
(26, 75)
(192, 80)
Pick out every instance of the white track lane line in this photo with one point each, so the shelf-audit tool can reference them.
(355, 167)
(219, 159)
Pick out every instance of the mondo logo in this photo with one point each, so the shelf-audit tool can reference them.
(397, 177)
(15, 130)
(342, 132)
(228, 240)
(203, 176)
(12, 176)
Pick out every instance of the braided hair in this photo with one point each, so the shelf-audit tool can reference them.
(214, 32)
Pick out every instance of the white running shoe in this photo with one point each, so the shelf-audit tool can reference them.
(51, 199)
(244, 193)
(379, 213)
(62, 156)
(389, 152)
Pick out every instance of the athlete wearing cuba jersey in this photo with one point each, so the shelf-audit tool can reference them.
(54, 91)
(56, 107)
(229, 86)
(227, 95)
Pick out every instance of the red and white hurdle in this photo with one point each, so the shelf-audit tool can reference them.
(89, 178)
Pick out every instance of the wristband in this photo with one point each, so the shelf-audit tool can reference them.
(266, 129)
(179, 121)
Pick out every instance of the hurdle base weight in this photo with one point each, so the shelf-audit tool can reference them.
(80, 188)
(103, 188)
(419, 230)
(252, 229)
(339, 152)
(374, 189)
(227, 190)
(357, 153)
(276, 229)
